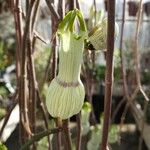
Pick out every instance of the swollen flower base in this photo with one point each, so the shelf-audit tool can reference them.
(65, 95)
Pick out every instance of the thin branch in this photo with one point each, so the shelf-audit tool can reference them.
(123, 100)
(58, 124)
(45, 116)
(61, 8)
(31, 71)
(54, 51)
(109, 72)
(89, 85)
(35, 12)
(132, 20)
(144, 94)
(137, 61)
(53, 10)
(46, 71)
(137, 56)
(32, 89)
(71, 4)
(23, 84)
(143, 125)
(38, 36)
(39, 136)
(32, 75)
(27, 5)
(123, 71)
(67, 134)
(16, 7)
(78, 5)
(17, 12)
(78, 118)
(137, 64)
(129, 101)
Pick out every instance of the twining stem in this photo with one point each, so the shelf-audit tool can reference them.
(61, 8)
(17, 12)
(89, 85)
(23, 83)
(39, 136)
(67, 134)
(44, 113)
(137, 61)
(34, 16)
(123, 71)
(34, 87)
(143, 125)
(53, 11)
(79, 136)
(72, 4)
(123, 101)
(137, 56)
(31, 71)
(109, 72)
(78, 4)
(137, 70)
(58, 124)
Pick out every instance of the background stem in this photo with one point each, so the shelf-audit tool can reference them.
(109, 72)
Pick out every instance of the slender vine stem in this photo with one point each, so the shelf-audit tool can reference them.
(78, 5)
(39, 136)
(52, 9)
(71, 4)
(34, 16)
(137, 61)
(67, 134)
(123, 71)
(59, 142)
(17, 12)
(61, 8)
(31, 71)
(139, 87)
(45, 116)
(89, 86)
(109, 72)
(79, 136)
(23, 84)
